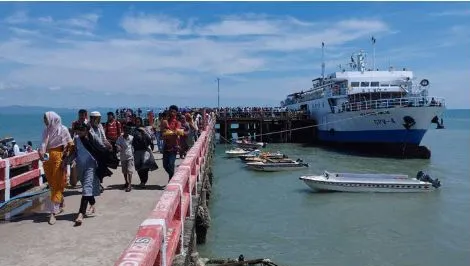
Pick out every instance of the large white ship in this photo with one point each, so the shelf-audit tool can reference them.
(367, 106)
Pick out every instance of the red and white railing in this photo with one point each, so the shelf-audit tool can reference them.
(8, 182)
(160, 237)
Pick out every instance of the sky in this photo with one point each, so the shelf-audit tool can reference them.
(84, 54)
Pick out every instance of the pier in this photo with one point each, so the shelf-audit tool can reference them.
(152, 226)
(267, 126)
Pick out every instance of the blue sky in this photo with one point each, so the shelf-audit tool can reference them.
(82, 54)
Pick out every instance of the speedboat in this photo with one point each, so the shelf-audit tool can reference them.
(251, 154)
(274, 165)
(233, 153)
(250, 145)
(261, 155)
(347, 182)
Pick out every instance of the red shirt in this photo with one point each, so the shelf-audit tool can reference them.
(113, 130)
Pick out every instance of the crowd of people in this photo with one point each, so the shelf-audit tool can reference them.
(9, 148)
(91, 148)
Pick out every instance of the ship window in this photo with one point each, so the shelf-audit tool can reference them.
(384, 84)
(355, 84)
(364, 84)
(374, 84)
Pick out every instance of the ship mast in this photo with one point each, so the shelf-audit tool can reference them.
(322, 61)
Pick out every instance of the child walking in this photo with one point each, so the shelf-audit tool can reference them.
(124, 146)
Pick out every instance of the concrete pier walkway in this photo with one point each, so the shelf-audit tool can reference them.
(31, 241)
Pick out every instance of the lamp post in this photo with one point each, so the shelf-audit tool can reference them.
(218, 93)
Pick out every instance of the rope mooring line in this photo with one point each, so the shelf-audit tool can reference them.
(305, 127)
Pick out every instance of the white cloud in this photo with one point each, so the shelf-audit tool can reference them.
(55, 88)
(82, 25)
(455, 12)
(158, 56)
(85, 21)
(22, 31)
(7, 86)
(240, 26)
(143, 24)
(46, 19)
(17, 18)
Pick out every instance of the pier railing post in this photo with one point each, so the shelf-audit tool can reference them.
(7, 180)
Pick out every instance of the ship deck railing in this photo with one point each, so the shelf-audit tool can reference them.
(263, 115)
(391, 103)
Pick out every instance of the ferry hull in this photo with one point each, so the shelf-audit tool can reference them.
(381, 126)
(374, 136)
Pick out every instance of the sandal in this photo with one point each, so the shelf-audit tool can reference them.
(128, 189)
(79, 220)
(52, 219)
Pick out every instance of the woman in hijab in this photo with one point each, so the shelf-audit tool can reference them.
(90, 152)
(56, 141)
(143, 156)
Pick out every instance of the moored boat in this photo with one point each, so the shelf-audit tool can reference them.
(365, 107)
(348, 182)
(251, 154)
(262, 155)
(274, 165)
(250, 145)
(233, 153)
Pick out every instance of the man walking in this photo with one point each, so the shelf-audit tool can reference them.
(171, 130)
(112, 130)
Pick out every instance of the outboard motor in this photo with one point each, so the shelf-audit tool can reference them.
(426, 178)
(419, 175)
(301, 162)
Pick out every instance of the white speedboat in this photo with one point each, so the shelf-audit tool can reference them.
(274, 165)
(347, 182)
(233, 153)
(250, 145)
(254, 153)
(262, 155)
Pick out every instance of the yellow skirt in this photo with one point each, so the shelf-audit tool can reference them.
(56, 175)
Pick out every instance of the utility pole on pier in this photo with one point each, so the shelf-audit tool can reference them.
(373, 53)
(218, 93)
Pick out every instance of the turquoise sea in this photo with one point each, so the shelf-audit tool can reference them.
(275, 215)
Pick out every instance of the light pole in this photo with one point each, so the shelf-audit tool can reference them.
(218, 93)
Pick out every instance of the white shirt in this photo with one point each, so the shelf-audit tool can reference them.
(125, 147)
(16, 150)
